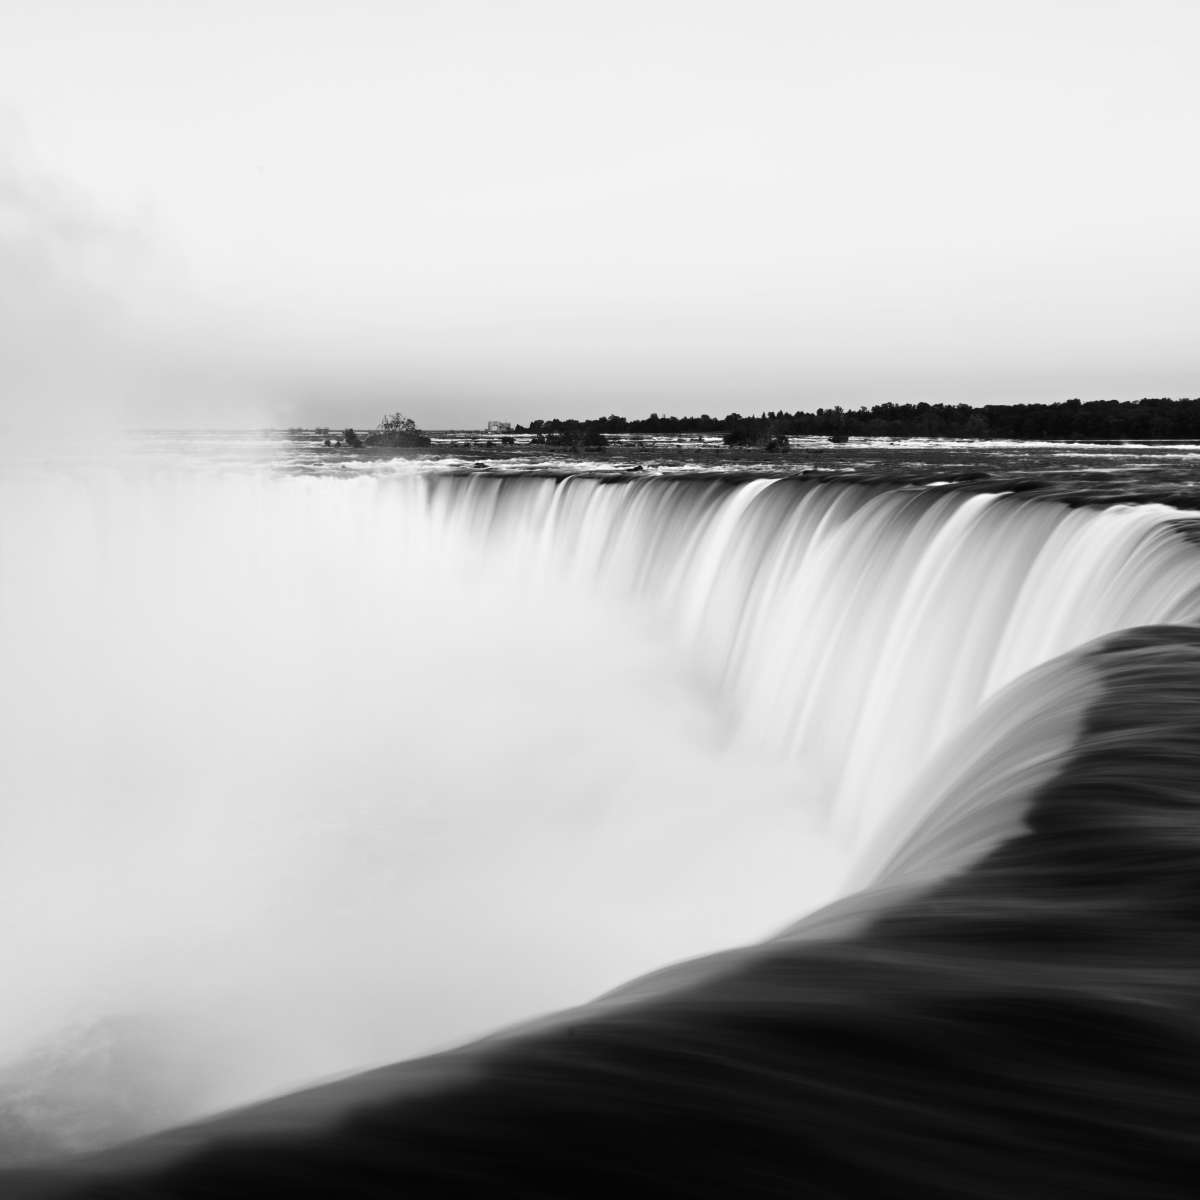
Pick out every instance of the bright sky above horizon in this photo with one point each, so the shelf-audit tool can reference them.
(253, 211)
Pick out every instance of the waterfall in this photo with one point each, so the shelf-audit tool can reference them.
(852, 628)
(333, 771)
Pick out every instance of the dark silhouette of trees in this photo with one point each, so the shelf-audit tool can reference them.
(397, 430)
(1071, 420)
(397, 423)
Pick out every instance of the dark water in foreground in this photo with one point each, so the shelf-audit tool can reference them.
(992, 702)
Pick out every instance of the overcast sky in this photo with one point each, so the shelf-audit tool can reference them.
(303, 211)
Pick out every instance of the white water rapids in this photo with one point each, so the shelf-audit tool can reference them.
(336, 771)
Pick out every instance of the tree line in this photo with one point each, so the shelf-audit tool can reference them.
(1151, 417)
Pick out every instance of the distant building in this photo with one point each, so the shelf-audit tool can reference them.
(499, 427)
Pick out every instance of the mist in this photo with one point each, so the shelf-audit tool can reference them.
(312, 785)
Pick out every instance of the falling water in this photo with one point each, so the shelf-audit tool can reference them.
(850, 628)
(328, 772)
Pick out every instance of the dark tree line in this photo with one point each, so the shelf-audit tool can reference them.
(1152, 417)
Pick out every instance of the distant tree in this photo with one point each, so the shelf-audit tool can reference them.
(351, 438)
(397, 423)
(976, 426)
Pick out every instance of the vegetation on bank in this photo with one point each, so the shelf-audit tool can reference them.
(1070, 420)
(394, 430)
(397, 430)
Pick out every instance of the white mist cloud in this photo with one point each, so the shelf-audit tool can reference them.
(58, 308)
(296, 768)
(97, 329)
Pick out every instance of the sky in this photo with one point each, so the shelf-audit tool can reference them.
(292, 212)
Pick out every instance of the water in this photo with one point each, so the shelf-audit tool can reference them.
(320, 768)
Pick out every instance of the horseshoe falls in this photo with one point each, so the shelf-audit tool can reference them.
(439, 830)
